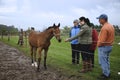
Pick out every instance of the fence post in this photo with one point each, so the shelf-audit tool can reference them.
(8, 36)
(2, 35)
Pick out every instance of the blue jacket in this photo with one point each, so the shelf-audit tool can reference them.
(74, 31)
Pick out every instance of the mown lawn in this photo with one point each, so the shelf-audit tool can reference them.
(59, 58)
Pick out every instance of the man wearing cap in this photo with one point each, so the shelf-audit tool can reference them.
(74, 43)
(105, 41)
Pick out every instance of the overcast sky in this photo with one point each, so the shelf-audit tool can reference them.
(43, 13)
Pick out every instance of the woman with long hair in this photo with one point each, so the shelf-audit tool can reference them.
(85, 40)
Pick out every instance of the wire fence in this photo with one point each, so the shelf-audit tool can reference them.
(95, 65)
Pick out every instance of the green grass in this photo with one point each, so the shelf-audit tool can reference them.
(59, 58)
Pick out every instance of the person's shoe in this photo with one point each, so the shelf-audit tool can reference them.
(89, 65)
(103, 77)
(73, 63)
(89, 70)
(82, 71)
(77, 62)
(93, 66)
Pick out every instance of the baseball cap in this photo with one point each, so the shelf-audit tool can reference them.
(76, 21)
(102, 16)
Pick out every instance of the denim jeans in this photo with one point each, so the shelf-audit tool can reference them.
(103, 54)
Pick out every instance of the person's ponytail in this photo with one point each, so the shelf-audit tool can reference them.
(87, 21)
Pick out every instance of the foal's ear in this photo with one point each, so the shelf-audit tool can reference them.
(54, 24)
(59, 25)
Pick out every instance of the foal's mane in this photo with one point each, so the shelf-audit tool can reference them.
(49, 28)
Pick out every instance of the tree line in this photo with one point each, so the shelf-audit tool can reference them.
(5, 30)
(12, 30)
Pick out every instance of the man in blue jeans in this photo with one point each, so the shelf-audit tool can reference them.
(105, 41)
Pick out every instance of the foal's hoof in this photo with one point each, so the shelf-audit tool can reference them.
(32, 64)
(35, 64)
(38, 70)
(45, 68)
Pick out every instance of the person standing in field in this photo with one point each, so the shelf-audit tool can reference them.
(20, 40)
(94, 43)
(85, 40)
(105, 42)
(74, 43)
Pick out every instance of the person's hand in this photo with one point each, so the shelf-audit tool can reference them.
(67, 40)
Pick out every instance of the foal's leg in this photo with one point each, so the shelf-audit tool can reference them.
(35, 63)
(39, 57)
(31, 48)
(45, 57)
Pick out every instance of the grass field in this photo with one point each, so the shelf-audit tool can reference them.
(59, 58)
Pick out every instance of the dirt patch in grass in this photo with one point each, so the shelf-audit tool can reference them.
(14, 65)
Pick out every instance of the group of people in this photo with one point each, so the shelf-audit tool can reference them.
(84, 39)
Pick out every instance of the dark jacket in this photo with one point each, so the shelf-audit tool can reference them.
(94, 39)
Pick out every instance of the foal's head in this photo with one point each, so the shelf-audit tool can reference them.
(56, 32)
